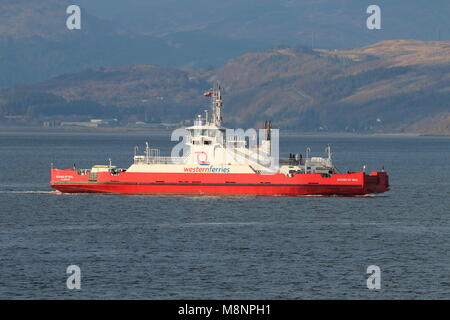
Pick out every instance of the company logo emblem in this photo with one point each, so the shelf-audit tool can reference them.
(202, 158)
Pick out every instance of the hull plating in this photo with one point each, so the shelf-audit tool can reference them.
(69, 181)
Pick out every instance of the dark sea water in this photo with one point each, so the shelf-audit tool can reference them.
(180, 247)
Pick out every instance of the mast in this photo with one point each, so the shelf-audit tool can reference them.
(217, 106)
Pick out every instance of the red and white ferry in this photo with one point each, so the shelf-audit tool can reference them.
(218, 165)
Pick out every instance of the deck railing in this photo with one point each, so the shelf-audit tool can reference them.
(159, 160)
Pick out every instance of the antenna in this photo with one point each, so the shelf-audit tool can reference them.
(328, 150)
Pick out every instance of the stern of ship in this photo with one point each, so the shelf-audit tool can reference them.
(376, 182)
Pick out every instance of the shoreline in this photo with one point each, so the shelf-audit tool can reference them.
(283, 132)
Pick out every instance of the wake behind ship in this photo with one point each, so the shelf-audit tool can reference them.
(217, 164)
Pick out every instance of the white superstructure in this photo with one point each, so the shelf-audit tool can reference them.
(211, 148)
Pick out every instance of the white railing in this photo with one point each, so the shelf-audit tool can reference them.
(236, 143)
(159, 160)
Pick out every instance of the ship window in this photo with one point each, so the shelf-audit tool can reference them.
(207, 142)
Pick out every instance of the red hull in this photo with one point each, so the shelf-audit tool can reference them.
(359, 183)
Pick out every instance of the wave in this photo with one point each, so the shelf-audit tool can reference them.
(29, 192)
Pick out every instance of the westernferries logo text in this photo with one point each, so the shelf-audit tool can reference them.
(207, 170)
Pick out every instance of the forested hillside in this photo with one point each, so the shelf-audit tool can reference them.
(392, 86)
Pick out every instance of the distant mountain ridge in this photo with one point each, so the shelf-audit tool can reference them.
(36, 45)
(202, 34)
(392, 86)
(334, 24)
(389, 86)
